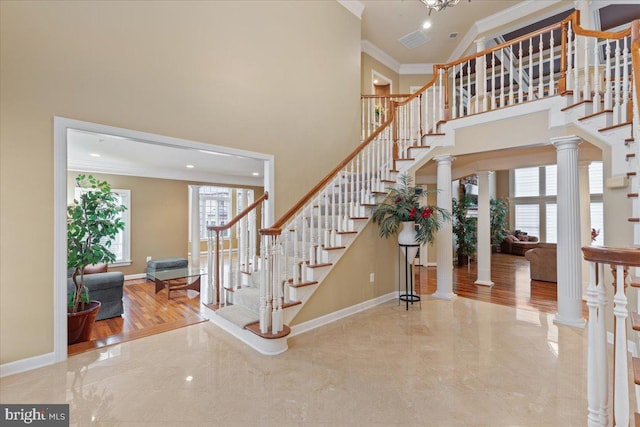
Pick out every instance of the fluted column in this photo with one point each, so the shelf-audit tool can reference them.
(445, 234)
(585, 219)
(195, 225)
(484, 230)
(569, 260)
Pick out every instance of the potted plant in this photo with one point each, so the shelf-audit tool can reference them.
(464, 228)
(498, 212)
(402, 206)
(93, 221)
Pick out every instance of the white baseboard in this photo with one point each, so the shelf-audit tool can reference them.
(631, 346)
(135, 276)
(27, 364)
(432, 264)
(337, 315)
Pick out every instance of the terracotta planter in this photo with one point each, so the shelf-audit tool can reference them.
(80, 324)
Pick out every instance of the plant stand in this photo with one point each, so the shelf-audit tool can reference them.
(409, 296)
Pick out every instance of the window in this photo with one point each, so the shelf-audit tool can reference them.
(121, 245)
(551, 180)
(597, 221)
(551, 213)
(215, 207)
(595, 178)
(528, 218)
(527, 182)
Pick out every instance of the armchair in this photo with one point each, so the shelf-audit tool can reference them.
(543, 262)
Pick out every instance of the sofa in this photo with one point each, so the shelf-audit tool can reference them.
(104, 286)
(518, 243)
(543, 262)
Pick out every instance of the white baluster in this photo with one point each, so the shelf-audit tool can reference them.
(294, 262)
(593, 393)
(601, 350)
(493, 80)
(617, 98)
(434, 110)
(596, 77)
(221, 290)
(264, 312)
(461, 93)
(441, 89)
(362, 113)
(211, 290)
(355, 194)
(569, 72)
(530, 93)
(541, 69)
(334, 226)
(552, 77)
(303, 251)
(285, 266)
(621, 370)
(625, 83)
(576, 68)
(476, 96)
(608, 104)
(511, 94)
(230, 283)
(520, 72)
(468, 88)
(327, 219)
(454, 111)
(587, 86)
(502, 68)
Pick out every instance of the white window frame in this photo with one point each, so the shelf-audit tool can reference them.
(203, 198)
(125, 199)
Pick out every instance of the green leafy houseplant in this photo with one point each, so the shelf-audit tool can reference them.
(464, 228)
(402, 204)
(93, 221)
(498, 212)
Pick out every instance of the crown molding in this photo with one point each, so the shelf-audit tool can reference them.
(379, 55)
(353, 6)
(416, 68)
(161, 173)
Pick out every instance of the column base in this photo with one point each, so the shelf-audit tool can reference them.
(484, 282)
(448, 296)
(576, 323)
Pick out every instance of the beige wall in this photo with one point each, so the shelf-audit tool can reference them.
(348, 283)
(238, 74)
(369, 64)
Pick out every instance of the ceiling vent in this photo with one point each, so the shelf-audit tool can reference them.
(415, 39)
(453, 35)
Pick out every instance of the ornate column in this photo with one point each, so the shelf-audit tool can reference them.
(445, 234)
(569, 254)
(195, 225)
(484, 230)
(585, 219)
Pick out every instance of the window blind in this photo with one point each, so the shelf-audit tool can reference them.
(528, 218)
(527, 182)
(551, 214)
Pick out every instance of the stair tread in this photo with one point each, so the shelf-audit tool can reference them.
(631, 174)
(333, 248)
(361, 217)
(302, 284)
(630, 155)
(405, 158)
(635, 322)
(632, 195)
(434, 134)
(636, 370)
(586, 101)
(635, 284)
(291, 304)
(419, 146)
(619, 125)
(595, 114)
(347, 232)
(238, 315)
(634, 219)
(255, 328)
(322, 264)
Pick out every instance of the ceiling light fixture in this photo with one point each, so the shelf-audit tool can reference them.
(190, 166)
(426, 25)
(256, 174)
(438, 5)
(94, 155)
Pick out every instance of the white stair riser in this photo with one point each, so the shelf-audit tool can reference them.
(332, 256)
(316, 274)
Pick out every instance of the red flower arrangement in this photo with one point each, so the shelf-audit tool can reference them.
(594, 234)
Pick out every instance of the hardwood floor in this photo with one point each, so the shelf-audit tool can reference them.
(512, 285)
(145, 313)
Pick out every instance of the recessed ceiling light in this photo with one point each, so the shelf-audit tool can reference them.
(256, 174)
(426, 25)
(375, 81)
(190, 166)
(94, 155)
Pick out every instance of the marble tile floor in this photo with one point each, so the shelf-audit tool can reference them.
(456, 363)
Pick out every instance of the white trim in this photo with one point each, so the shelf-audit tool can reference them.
(135, 276)
(379, 55)
(416, 69)
(27, 364)
(432, 264)
(631, 346)
(160, 173)
(60, 127)
(123, 263)
(353, 6)
(375, 75)
(484, 283)
(340, 314)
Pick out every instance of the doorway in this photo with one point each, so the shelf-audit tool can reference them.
(63, 128)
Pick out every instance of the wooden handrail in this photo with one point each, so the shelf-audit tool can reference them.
(577, 29)
(245, 212)
(392, 95)
(276, 228)
(611, 255)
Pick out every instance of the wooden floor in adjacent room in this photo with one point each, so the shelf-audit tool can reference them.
(145, 313)
(512, 284)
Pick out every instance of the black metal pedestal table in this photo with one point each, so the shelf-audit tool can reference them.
(409, 295)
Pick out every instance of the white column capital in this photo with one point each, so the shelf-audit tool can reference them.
(484, 173)
(444, 158)
(569, 142)
(481, 44)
